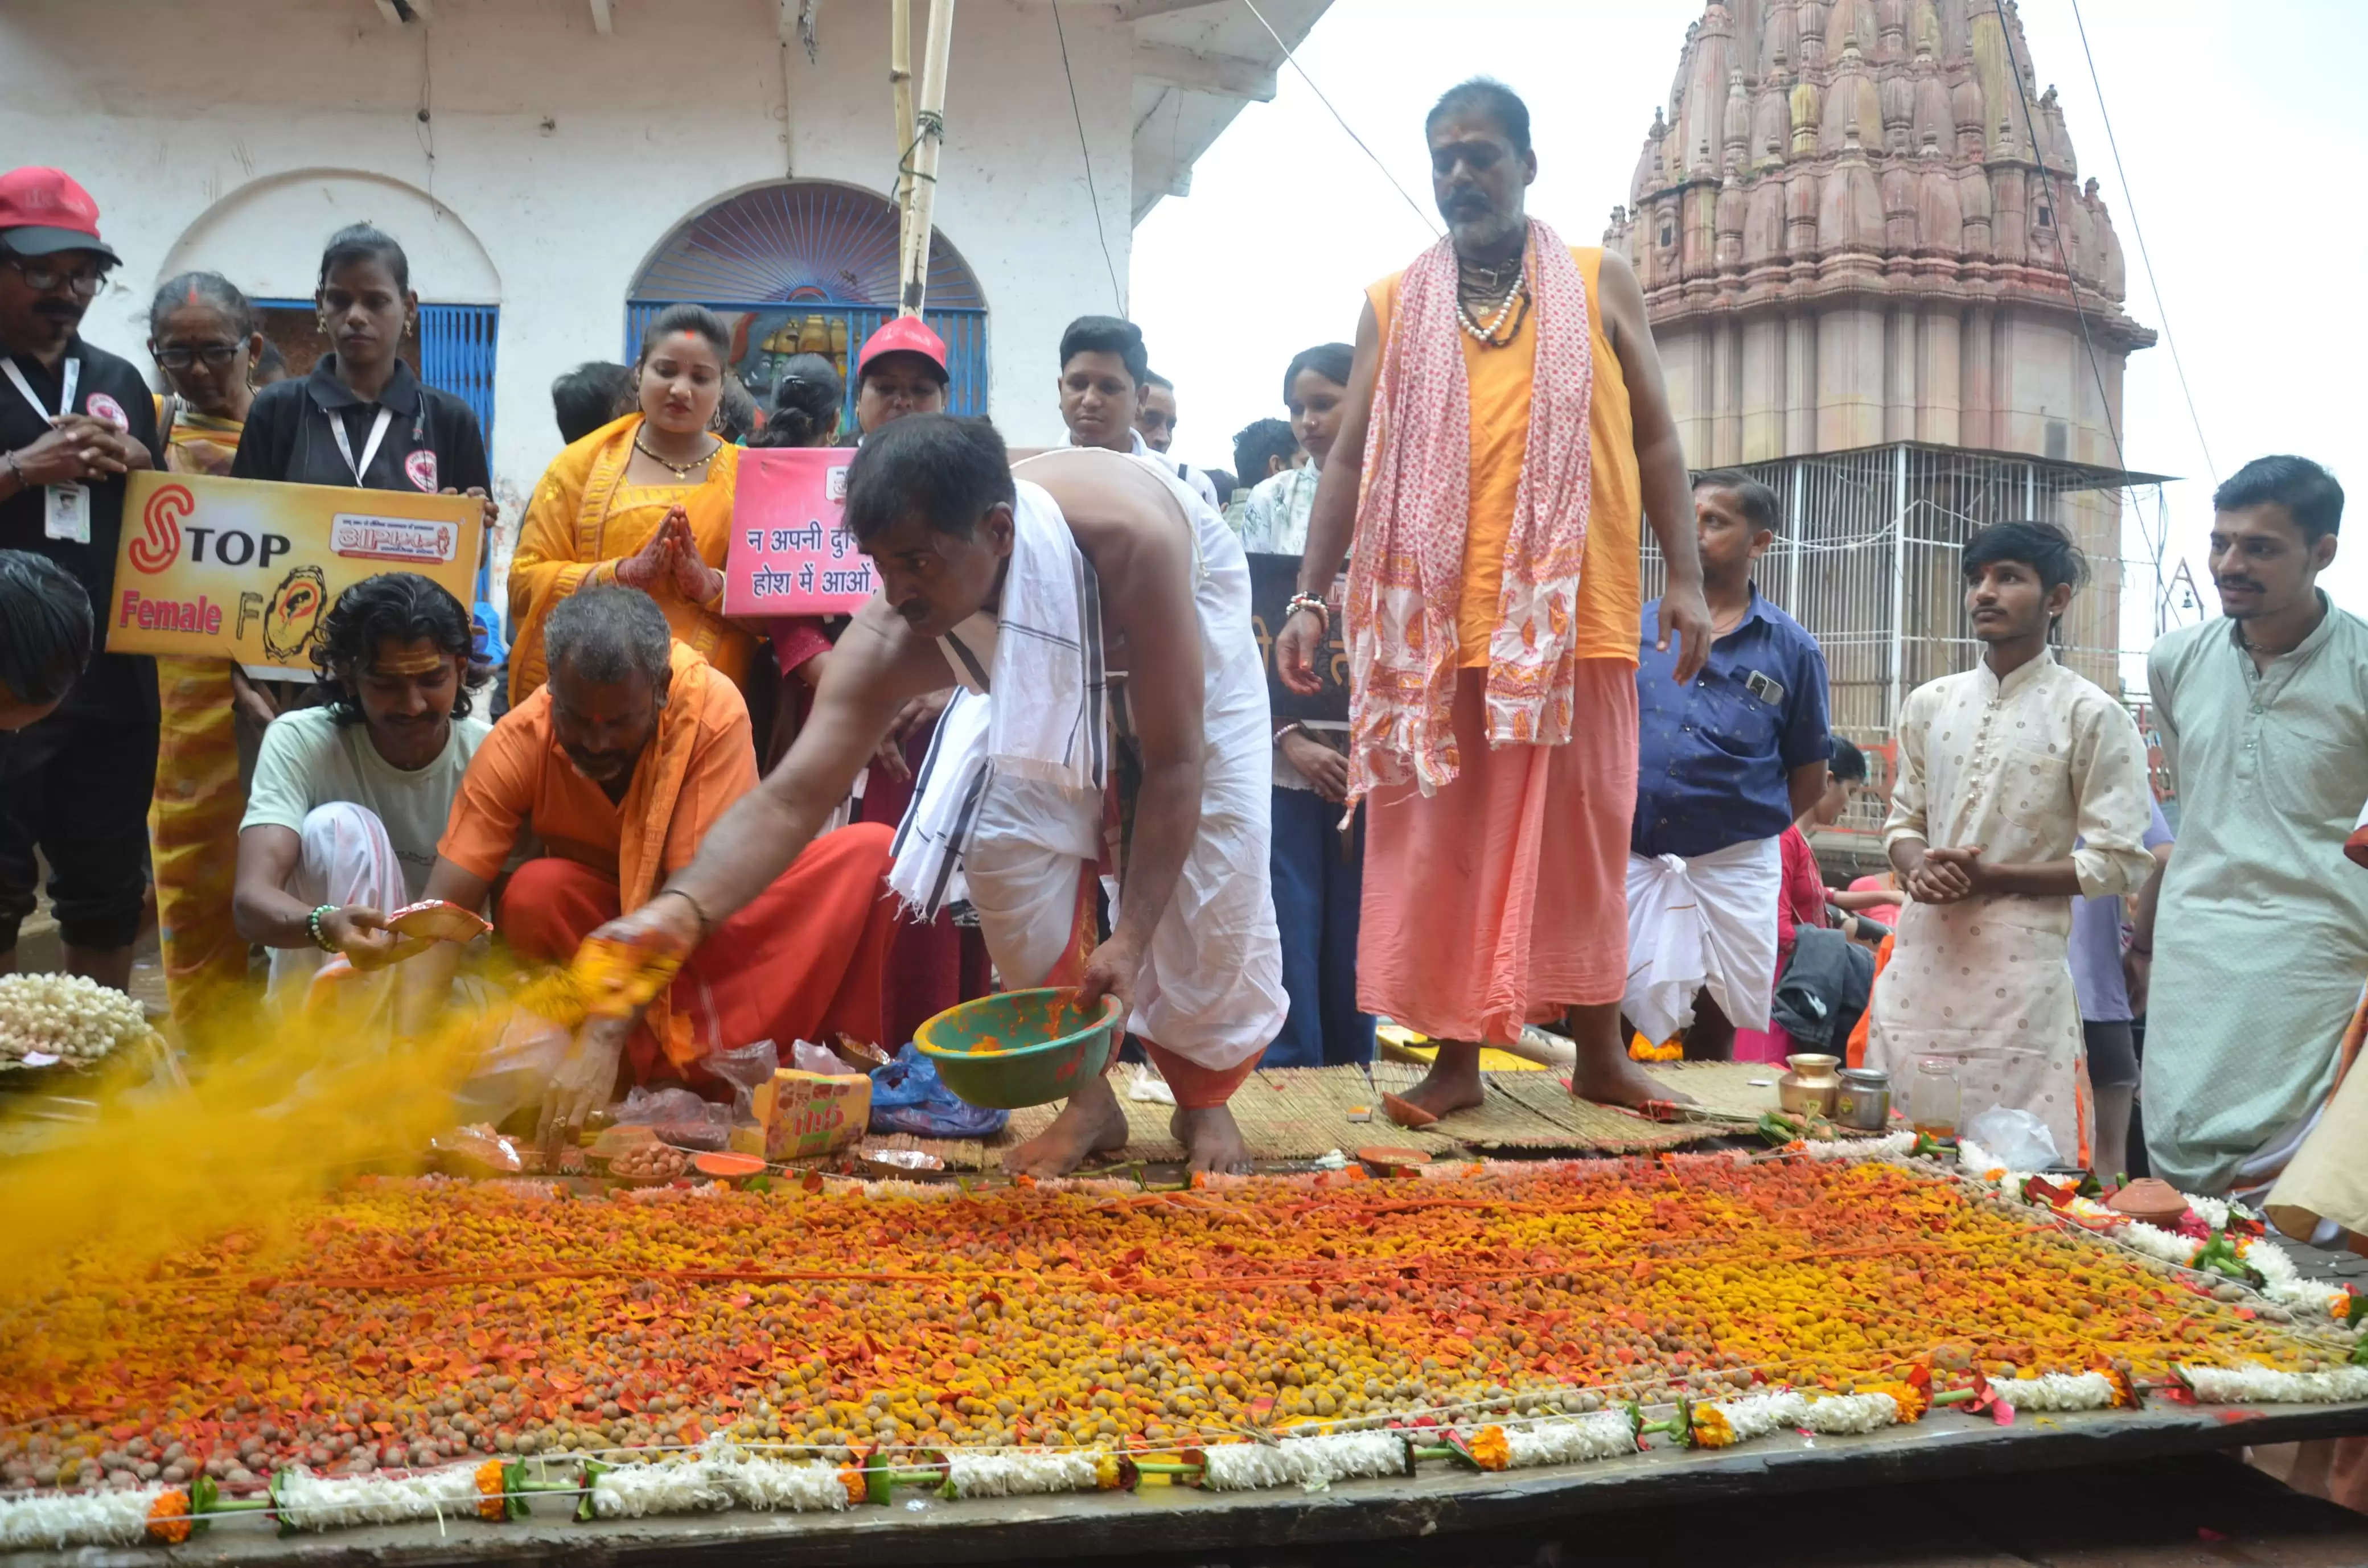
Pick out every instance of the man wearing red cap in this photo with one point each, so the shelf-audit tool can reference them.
(901, 370)
(74, 419)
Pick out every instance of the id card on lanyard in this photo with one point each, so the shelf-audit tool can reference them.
(370, 448)
(65, 508)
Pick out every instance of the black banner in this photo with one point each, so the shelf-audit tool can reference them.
(1273, 580)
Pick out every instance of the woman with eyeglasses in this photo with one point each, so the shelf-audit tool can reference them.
(201, 333)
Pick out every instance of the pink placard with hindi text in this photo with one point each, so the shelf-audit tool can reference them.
(790, 552)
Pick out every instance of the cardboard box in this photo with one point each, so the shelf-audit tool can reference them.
(810, 1113)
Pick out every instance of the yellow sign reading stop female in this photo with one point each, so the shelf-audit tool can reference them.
(245, 569)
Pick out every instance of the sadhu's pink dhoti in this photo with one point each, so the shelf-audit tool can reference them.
(1503, 898)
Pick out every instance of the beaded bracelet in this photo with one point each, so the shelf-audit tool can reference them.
(313, 927)
(1308, 602)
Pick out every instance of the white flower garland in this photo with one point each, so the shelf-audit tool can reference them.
(311, 1502)
(687, 1485)
(1843, 1413)
(755, 1482)
(1314, 1463)
(2286, 1287)
(1014, 1475)
(68, 1017)
(1604, 1435)
(75, 1518)
(1888, 1146)
(2267, 1385)
(2057, 1390)
(1757, 1415)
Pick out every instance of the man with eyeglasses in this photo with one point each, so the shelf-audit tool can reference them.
(73, 420)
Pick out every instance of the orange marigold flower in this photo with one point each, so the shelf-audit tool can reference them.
(168, 1518)
(851, 1477)
(1489, 1449)
(492, 1500)
(1911, 1400)
(1711, 1427)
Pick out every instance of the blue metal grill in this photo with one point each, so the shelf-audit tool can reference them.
(455, 355)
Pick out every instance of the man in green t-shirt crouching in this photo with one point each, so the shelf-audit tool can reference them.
(349, 797)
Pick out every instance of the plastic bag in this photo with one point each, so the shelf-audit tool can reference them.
(514, 1072)
(2015, 1138)
(679, 1117)
(907, 1095)
(808, 1057)
(745, 1069)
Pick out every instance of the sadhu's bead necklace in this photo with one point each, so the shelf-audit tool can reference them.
(1517, 295)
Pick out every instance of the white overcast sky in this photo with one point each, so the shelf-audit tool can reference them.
(2238, 129)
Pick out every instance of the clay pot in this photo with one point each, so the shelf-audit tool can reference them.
(2155, 1202)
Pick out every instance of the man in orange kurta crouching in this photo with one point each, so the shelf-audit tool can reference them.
(619, 766)
(1506, 434)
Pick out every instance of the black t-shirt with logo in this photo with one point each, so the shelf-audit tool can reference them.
(432, 442)
(109, 389)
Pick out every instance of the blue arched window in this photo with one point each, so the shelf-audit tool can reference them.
(809, 267)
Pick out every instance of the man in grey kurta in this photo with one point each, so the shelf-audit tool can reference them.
(2261, 939)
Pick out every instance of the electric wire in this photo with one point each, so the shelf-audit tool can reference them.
(1101, 229)
(2154, 283)
(1428, 221)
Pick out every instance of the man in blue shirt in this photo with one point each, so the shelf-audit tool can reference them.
(1724, 764)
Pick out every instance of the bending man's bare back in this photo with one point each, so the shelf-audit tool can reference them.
(981, 579)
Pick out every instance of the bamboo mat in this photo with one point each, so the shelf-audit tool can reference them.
(1300, 1113)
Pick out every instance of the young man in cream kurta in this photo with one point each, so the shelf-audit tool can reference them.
(2001, 769)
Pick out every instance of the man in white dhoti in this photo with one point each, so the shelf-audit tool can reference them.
(2264, 714)
(1726, 763)
(2001, 769)
(1021, 582)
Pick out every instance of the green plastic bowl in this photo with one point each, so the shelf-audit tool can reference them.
(1048, 1046)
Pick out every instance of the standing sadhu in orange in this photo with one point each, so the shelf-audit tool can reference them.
(619, 766)
(1505, 436)
(644, 501)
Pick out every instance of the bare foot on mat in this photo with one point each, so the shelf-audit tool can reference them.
(1091, 1123)
(1212, 1140)
(1452, 1084)
(1619, 1082)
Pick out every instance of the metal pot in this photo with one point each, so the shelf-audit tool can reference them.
(1810, 1085)
(1865, 1099)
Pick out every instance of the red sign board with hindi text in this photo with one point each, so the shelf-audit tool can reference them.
(790, 552)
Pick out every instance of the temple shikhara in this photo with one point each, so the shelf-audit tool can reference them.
(1877, 279)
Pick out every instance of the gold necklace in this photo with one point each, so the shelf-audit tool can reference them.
(680, 470)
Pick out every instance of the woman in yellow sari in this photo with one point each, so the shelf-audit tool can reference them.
(202, 335)
(646, 501)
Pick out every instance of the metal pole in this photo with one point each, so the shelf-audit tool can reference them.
(900, 87)
(929, 122)
(1898, 589)
(1800, 542)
